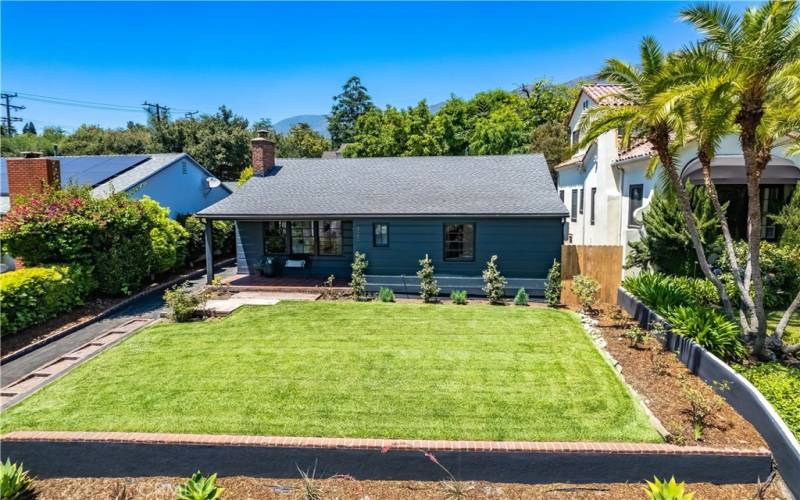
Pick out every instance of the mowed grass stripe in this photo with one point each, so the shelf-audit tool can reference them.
(344, 369)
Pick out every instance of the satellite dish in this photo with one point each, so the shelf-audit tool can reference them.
(212, 182)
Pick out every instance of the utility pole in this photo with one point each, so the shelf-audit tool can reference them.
(8, 119)
(190, 114)
(158, 109)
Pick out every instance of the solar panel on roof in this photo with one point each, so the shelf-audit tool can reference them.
(92, 170)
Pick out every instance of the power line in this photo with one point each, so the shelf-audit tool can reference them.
(158, 109)
(8, 118)
(87, 104)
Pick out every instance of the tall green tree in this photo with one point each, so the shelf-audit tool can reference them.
(552, 140)
(353, 102)
(760, 51)
(29, 128)
(663, 126)
(302, 142)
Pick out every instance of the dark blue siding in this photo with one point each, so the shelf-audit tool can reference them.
(525, 247)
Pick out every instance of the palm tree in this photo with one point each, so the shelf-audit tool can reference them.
(664, 127)
(760, 50)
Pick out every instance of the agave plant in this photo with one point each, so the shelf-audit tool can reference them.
(15, 484)
(667, 490)
(199, 487)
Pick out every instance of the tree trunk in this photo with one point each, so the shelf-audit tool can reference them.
(738, 273)
(661, 144)
(787, 315)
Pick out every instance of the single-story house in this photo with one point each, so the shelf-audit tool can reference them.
(174, 180)
(607, 189)
(311, 215)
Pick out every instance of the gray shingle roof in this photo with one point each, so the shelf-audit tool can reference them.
(515, 185)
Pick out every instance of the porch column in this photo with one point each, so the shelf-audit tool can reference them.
(209, 252)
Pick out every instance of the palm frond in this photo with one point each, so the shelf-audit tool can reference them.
(718, 22)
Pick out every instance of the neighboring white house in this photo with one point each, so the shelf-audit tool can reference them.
(175, 180)
(606, 188)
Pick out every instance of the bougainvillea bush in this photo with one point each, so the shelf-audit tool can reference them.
(125, 241)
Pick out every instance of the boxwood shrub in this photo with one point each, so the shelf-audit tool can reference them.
(32, 295)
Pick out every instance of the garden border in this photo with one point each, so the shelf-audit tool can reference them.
(736, 390)
(106, 312)
(118, 454)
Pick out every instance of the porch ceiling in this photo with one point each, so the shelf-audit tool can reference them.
(729, 169)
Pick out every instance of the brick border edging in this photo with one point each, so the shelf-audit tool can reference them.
(382, 445)
(738, 391)
(105, 313)
(121, 454)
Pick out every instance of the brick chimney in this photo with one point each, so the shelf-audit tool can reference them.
(262, 151)
(30, 174)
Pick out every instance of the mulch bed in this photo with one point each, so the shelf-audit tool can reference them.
(241, 488)
(663, 381)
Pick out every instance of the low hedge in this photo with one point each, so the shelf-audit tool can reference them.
(32, 295)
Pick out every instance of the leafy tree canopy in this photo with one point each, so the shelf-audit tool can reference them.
(301, 142)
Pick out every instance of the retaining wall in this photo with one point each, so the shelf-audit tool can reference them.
(737, 390)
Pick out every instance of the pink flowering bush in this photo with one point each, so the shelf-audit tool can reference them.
(124, 241)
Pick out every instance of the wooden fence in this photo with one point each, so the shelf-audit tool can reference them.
(601, 262)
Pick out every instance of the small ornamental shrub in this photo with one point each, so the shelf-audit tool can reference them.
(552, 285)
(635, 335)
(657, 291)
(199, 487)
(709, 329)
(521, 299)
(245, 175)
(780, 267)
(459, 297)
(386, 295)
(182, 302)
(15, 484)
(32, 295)
(701, 410)
(493, 282)
(358, 282)
(667, 490)
(586, 290)
(428, 286)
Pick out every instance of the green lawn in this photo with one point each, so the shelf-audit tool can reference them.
(351, 369)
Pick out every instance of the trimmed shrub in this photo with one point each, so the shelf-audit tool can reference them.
(199, 487)
(459, 297)
(358, 282)
(32, 295)
(708, 328)
(552, 285)
(586, 290)
(15, 483)
(521, 299)
(493, 282)
(386, 295)
(428, 286)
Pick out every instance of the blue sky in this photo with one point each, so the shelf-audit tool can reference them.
(281, 59)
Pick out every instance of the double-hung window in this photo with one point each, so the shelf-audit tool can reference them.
(459, 242)
(380, 235)
(303, 237)
(592, 206)
(581, 201)
(574, 212)
(330, 237)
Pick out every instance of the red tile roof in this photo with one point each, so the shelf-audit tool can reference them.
(642, 150)
(603, 94)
